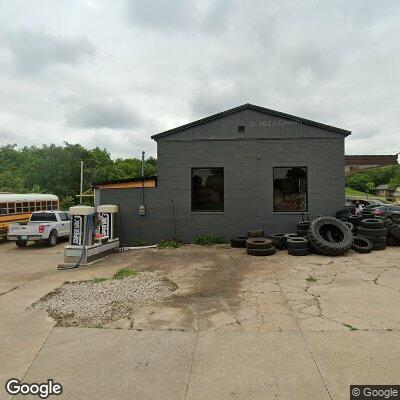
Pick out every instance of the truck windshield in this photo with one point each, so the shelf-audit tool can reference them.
(43, 217)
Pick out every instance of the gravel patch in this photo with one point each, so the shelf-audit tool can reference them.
(93, 304)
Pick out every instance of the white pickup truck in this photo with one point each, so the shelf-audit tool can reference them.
(43, 225)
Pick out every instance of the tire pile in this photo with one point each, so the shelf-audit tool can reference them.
(327, 236)
(375, 231)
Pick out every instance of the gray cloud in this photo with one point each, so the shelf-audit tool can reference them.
(106, 114)
(34, 50)
(159, 64)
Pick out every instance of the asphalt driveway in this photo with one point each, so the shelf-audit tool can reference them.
(238, 327)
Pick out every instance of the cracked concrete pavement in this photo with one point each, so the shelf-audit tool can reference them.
(238, 326)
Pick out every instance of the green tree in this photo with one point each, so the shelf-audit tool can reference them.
(11, 182)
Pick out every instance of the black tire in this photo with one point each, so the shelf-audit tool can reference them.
(355, 219)
(371, 232)
(239, 242)
(361, 245)
(277, 240)
(259, 243)
(53, 238)
(317, 235)
(21, 243)
(287, 236)
(297, 243)
(261, 252)
(303, 225)
(302, 232)
(392, 242)
(255, 233)
(299, 252)
(393, 229)
(375, 239)
(372, 223)
(350, 225)
(378, 246)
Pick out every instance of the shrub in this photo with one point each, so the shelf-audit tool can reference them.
(168, 244)
(208, 240)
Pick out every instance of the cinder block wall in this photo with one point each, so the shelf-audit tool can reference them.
(248, 160)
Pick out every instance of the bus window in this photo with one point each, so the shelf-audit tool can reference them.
(31, 206)
(25, 206)
(11, 208)
(55, 205)
(19, 207)
(3, 208)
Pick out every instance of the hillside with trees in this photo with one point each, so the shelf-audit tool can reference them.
(56, 169)
(366, 181)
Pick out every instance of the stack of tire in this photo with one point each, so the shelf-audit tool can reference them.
(343, 215)
(375, 231)
(330, 236)
(355, 220)
(240, 242)
(302, 228)
(298, 246)
(259, 246)
(393, 237)
(367, 213)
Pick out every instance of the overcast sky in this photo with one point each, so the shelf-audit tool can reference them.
(113, 72)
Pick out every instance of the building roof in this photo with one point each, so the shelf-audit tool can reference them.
(371, 159)
(248, 106)
(382, 187)
(396, 192)
(21, 197)
(127, 180)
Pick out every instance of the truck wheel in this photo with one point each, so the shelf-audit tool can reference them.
(21, 243)
(52, 238)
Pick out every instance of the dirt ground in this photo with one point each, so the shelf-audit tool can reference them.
(237, 326)
(221, 288)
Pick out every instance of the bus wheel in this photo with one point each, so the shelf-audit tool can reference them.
(21, 243)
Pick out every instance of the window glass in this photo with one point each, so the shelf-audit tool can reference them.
(207, 189)
(290, 189)
(43, 217)
(3, 208)
(19, 207)
(63, 217)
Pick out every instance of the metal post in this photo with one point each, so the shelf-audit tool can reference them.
(143, 177)
(81, 189)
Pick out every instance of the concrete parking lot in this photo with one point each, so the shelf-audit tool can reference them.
(239, 327)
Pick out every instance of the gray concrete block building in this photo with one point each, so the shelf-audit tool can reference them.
(245, 168)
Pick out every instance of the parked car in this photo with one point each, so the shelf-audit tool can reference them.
(389, 210)
(43, 226)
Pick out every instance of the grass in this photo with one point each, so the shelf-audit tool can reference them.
(140, 243)
(124, 273)
(209, 240)
(99, 280)
(351, 327)
(311, 279)
(356, 193)
(168, 244)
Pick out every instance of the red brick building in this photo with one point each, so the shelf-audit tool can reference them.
(361, 162)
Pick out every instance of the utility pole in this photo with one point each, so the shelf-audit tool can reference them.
(81, 189)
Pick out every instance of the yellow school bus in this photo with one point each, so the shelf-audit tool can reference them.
(19, 207)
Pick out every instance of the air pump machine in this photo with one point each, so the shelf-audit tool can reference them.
(93, 235)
